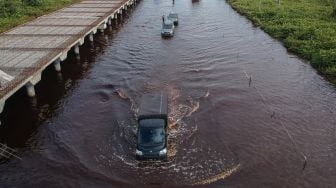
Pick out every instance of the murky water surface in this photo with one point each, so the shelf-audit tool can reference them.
(243, 112)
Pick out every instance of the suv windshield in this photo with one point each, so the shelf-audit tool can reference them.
(167, 26)
(151, 132)
(172, 16)
(150, 136)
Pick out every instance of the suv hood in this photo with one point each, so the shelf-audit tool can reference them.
(167, 31)
(155, 148)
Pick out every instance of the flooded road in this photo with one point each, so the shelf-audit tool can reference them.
(243, 112)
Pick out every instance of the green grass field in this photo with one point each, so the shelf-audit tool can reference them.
(306, 27)
(16, 12)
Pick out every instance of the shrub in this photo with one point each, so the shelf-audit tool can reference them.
(334, 10)
(325, 60)
(32, 2)
(7, 8)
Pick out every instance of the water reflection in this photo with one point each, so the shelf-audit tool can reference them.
(222, 74)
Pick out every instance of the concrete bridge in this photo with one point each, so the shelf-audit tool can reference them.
(26, 50)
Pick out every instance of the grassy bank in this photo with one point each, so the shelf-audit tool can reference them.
(16, 12)
(306, 27)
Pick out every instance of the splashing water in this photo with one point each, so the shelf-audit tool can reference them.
(181, 108)
(122, 94)
(219, 176)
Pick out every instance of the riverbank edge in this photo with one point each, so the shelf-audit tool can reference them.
(330, 77)
(27, 18)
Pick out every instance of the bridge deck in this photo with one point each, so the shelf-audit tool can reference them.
(27, 50)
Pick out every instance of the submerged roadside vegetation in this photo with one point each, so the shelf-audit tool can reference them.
(306, 27)
(16, 12)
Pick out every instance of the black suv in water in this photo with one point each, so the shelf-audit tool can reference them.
(152, 127)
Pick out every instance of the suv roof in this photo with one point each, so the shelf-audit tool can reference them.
(152, 123)
(167, 22)
(173, 14)
(153, 106)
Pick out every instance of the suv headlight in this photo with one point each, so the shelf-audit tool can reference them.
(163, 152)
(138, 152)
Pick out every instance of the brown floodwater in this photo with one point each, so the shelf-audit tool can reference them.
(243, 111)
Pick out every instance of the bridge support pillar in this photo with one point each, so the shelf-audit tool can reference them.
(77, 49)
(30, 90)
(102, 27)
(57, 65)
(30, 85)
(91, 37)
(2, 105)
(64, 56)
